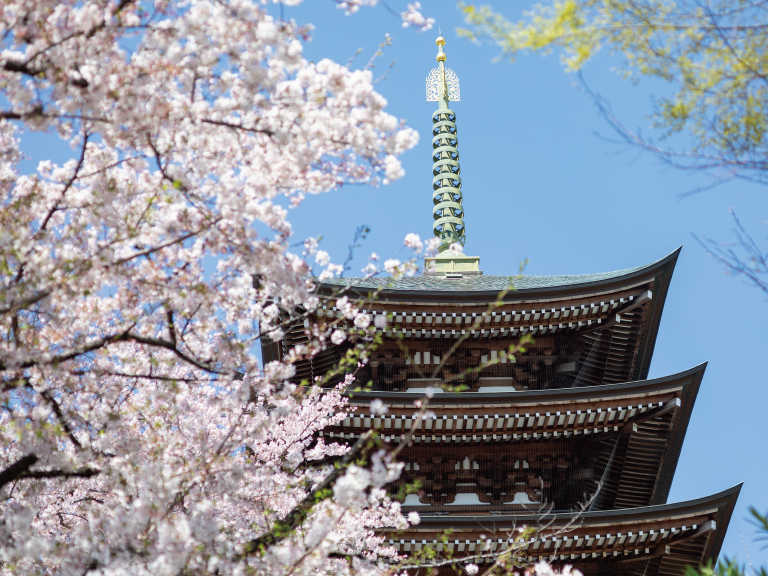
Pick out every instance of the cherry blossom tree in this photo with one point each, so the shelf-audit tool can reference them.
(139, 433)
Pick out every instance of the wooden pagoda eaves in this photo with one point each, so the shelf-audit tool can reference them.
(426, 309)
(653, 540)
(652, 414)
(571, 414)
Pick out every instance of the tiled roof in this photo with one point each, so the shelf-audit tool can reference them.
(483, 283)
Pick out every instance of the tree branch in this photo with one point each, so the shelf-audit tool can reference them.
(237, 126)
(79, 473)
(68, 184)
(154, 249)
(754, 266)
(69, 355)
(15, 470)
(283, 528)
(24, 302)
(21, 469)
(62, 419)
(172, 347)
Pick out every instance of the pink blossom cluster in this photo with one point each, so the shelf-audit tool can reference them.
(139, 431)
(413, 17)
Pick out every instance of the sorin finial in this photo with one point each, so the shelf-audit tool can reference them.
(446, 181)
(442, 83)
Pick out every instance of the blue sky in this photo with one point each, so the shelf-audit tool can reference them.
(539, 183)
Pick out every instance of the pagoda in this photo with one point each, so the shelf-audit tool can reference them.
(564, 433)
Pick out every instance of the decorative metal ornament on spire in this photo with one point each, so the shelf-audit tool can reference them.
(448, 212)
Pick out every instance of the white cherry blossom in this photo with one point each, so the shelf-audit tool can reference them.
(413, 17)
(413, 241)
(140, 433)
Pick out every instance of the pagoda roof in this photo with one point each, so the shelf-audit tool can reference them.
(595, 298)
(593, 395)
(654, 413)
(650, 540)
(492, 285)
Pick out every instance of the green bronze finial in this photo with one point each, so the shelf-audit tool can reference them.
(448, 210)
(443, 87)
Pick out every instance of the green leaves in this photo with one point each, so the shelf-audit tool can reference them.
(761, 521)
(731, 567)
(715, 56)
(725, 567)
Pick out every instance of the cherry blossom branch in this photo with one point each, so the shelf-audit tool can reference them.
(17, 305)
(13, 383)
(285, 527)
(79, 473)
(21, 470)
(68, 184)
(142, 376)
(168, 345)
(37, 110)
(69, 355)
(153, 249)
(60, 415)
(237, 127)
(103, 341)
(23, 68)
(16, 469)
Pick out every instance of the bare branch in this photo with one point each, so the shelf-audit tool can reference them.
(722, 168)
(753, 266)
